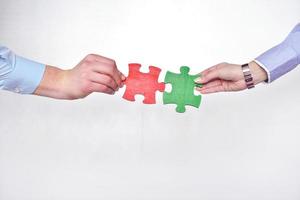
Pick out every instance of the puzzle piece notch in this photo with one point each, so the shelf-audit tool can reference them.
(145, 84)
(182, 92)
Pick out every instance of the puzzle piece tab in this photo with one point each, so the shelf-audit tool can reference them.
(182, 90)
(145, 84)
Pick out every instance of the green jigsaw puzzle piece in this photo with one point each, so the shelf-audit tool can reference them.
(182, 92)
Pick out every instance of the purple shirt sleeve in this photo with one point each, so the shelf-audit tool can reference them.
(282, 58)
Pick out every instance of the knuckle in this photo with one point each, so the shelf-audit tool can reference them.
(86, 63)
(90, 57)
(111, 69)
(113, 62)
(110, 61)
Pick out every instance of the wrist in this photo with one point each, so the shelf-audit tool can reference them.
(53, 83)
(258, 73)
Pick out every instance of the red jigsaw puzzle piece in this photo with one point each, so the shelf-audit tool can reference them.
(145, 84)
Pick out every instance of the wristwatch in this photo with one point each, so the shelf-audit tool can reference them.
(248, 76)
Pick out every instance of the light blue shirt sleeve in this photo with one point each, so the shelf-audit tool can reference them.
(18, 74)
(282, 58)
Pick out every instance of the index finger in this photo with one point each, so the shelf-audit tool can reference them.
(110, 63)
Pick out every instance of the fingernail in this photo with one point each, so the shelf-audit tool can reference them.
(123, 77)
(198, 85)
(198, 80)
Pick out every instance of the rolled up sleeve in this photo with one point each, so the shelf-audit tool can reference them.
(18, 74)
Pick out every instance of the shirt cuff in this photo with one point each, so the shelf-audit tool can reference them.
(278, 61)
(25, 77)
(266, 70)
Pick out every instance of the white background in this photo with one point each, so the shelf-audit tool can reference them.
(236, 146)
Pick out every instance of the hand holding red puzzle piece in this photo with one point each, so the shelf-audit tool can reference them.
(147, 84)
